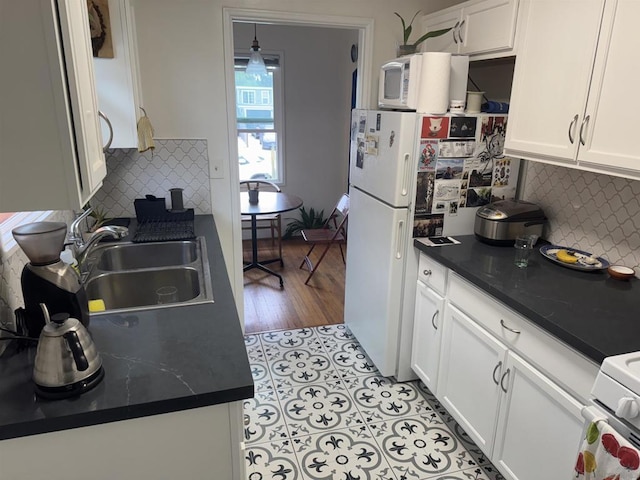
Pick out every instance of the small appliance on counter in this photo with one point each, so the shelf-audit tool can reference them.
(501, 222)
(157, 224)
(67, 362)
(46, 279)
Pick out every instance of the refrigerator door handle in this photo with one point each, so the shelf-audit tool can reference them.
(405, 177)
(400, 239)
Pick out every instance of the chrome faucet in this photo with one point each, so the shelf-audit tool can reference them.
(83, 248)
(75, 231)
(112, 231)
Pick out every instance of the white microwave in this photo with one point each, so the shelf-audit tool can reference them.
(400, 83)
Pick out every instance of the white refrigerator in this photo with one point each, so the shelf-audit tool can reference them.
(411, 175)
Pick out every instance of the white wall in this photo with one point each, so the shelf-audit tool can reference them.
(181, 54)
(317, 99)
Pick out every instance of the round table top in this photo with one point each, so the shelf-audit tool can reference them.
(269, 202)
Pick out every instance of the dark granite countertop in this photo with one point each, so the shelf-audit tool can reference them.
(156, 361)
(590, 311)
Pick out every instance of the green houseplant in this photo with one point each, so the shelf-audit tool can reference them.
(307, 220)
(406, 47)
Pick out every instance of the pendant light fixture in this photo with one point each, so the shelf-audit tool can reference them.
(256, 65)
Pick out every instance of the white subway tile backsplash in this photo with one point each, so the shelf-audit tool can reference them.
(588, 211)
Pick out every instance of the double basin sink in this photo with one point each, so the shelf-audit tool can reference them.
(142, 276)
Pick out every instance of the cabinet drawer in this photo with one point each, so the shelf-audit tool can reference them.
(433, 274)
(572, 370)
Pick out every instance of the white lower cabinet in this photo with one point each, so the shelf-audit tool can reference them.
(471, 368)
(199, 443)
(525, 423)
(502, 379)
(539, 425)
(427, 329)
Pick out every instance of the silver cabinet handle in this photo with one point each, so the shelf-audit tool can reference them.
(455, 27)
(433, 320)
(495, 370)
(572, 126)
(106, 119)
(426, 273)
(518, 332)
(460, 31)
(504, 375)
(585, 122)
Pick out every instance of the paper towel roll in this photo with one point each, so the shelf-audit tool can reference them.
(434, 83)
(459, 76)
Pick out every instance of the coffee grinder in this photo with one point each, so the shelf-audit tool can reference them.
(46, 279)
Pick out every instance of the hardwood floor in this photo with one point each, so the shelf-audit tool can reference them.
(321, 302)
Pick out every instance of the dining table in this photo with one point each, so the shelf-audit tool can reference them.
(268, 203)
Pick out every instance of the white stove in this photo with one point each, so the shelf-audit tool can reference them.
(616, 395)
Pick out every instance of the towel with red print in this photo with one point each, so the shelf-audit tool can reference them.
(605, 455)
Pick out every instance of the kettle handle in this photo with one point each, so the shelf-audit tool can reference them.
(76, 349)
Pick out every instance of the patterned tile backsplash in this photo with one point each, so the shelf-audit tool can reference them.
(588, 211)
(173, 164)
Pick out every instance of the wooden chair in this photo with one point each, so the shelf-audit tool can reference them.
(272, 222)
(333, 231)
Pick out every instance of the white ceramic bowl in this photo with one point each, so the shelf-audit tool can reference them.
(621, 272)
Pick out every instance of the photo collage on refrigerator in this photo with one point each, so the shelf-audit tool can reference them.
(461, 164)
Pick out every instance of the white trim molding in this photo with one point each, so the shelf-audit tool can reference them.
(365, 27)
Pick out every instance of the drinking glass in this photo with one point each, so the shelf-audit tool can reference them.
(168, 294)
(524, 246)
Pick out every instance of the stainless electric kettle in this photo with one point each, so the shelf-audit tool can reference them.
(67, 362)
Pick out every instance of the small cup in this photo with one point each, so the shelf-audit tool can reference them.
(474, 101)
(253, 197)
(456, 106)
(168, 294)
(524, 246)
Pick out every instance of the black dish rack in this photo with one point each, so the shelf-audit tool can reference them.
(156, 224)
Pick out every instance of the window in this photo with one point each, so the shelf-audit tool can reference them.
(248, 97)
(9, 221)
(259, 120)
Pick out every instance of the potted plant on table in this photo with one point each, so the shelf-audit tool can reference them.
(408, 48)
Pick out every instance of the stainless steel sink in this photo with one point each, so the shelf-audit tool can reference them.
(131, 276)
(131, 256)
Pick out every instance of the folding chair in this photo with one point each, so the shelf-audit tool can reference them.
(333, 231)
(272, 221)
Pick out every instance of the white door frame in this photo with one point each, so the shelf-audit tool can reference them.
(363, 88)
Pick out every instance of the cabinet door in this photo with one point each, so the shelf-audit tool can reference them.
(117, 79)
(50, 141)
(471, 365)
(78, 59)
(488, 26)
(539, 427)
(613, 104)
(556, 48)
(427, 328)
(444, 43)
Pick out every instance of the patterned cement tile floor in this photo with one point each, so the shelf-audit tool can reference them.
(322, 411)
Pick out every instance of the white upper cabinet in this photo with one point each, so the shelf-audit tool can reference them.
(480, 28)
(50, 142)
(609, 120)
(573, 97)
(117, 80)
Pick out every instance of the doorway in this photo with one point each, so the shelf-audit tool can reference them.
(311, 169)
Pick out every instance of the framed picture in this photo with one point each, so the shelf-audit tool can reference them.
(100, 28)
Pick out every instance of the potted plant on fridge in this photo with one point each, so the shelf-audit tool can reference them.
(407, 48)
